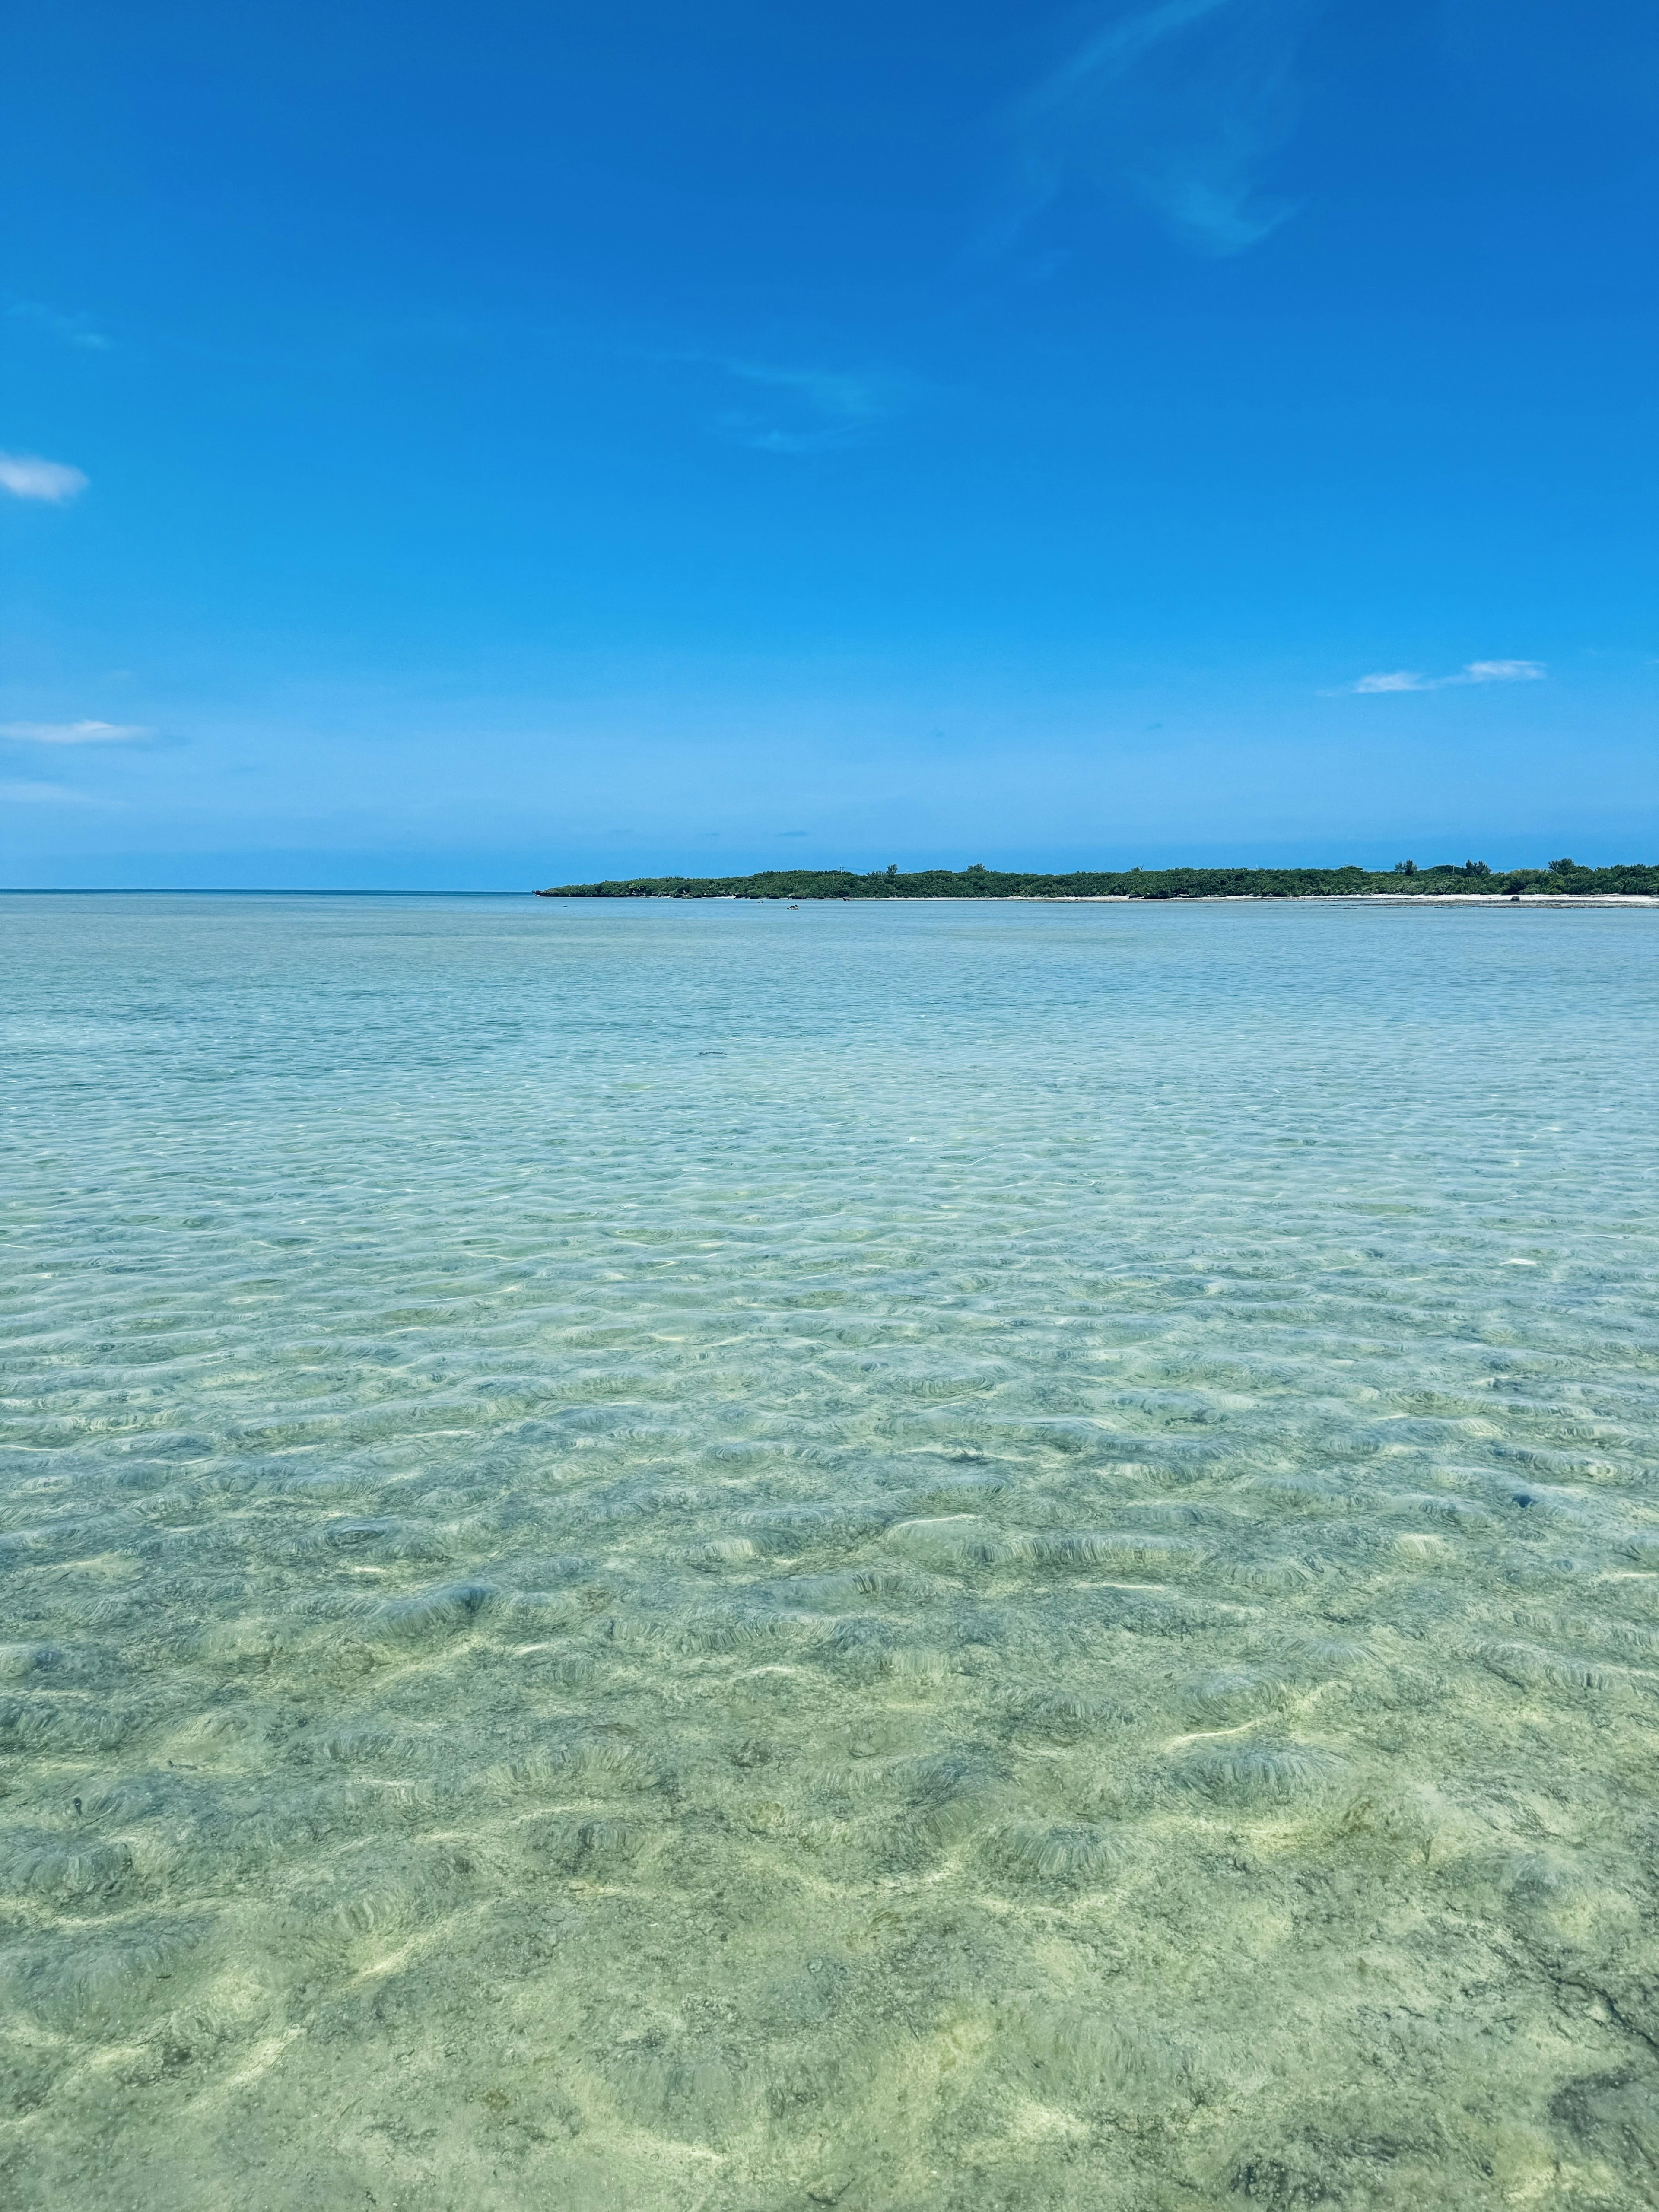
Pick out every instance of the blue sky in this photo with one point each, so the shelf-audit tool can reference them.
(487, 446)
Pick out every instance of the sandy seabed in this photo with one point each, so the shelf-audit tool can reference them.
(906, 1558)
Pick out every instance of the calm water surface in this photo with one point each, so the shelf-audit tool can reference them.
(905, 1557)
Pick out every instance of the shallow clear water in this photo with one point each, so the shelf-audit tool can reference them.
(902, 1556)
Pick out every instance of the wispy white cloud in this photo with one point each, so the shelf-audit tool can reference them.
(77, 330)
(1499, 671)
(812, 410)
(1180, 105)
(1394, 679)
(42, 794)
(1473, 672)
(26, 476)
(73, 734)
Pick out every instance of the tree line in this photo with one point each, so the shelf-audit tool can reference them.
(1405, 879)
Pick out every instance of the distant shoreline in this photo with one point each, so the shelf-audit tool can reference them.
(1529, 899)
(1562, 883)
(1548, 900)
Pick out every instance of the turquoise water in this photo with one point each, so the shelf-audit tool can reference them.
(899, 1556)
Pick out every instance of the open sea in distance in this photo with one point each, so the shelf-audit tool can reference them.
(920, 1558)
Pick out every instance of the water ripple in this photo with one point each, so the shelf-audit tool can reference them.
(897, 1557)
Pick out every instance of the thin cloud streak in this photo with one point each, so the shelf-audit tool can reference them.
(1473, 672)
(1179, 105)
(26, 476)
(43, 795)
(71, 329)
(845, 404)
(74, 733)
(1501, 671)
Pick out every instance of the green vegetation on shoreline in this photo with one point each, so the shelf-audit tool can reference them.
(1408, 880)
